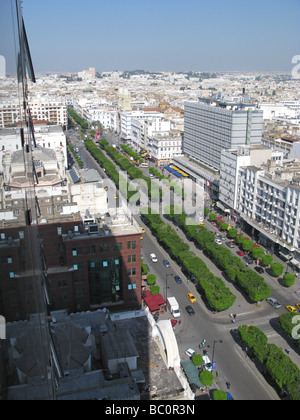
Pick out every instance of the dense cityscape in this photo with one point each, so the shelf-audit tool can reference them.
(149, 234)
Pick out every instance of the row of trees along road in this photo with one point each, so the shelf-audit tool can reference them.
(251, 282)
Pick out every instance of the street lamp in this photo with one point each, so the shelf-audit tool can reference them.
(213, 353)
(167, 275)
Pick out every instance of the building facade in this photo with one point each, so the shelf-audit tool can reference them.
(163, 148)
(46, 136)
(51, 110)
(210, 128)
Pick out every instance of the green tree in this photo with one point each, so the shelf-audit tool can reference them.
(240, 239)
(219, 395)
(224, 226)
(212, 217)
(267, 259)
(289, 279)
(154, 290)
(255, 339)
(277, 269)
(257, 252)
(207, 378)
(197, 359)
(247, 245)
(151, 279)
(284, 372)
(232, 233)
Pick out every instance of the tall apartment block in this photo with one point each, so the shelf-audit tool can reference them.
(211, 126)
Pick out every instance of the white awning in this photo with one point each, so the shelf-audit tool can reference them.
(295, 262)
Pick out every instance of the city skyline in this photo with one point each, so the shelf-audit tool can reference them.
(163, 36)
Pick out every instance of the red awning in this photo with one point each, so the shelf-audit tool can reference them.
(154, 302)
(219, 220)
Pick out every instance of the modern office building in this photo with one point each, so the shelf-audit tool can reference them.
(212, 126)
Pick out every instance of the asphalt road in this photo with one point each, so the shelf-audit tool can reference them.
(231, 363)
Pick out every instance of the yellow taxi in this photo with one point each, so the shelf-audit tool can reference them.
(142, 229)
(291, 308)
(191, 298)
(298, 305)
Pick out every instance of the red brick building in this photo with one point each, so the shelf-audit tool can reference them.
(84, 266)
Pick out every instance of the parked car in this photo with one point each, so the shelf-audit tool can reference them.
(190, 310)
(274, 302)
(230, 244)
(207, 363)
(190, 352)
(291, 308)
(259, 270)
(240, 253)
(166, 263)
(191, 298)
(218, 241)
(153, 258)
(178, 279)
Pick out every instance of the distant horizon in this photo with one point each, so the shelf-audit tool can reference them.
(170, 35)
(261, 36)
(218, 72)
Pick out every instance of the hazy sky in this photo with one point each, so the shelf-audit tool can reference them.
(162, 35)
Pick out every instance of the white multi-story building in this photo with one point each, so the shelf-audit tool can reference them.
(50, 110)
(107, 118)
(231, 161)
(288, 145)
(277, 110)
(264, 191)
(126, 118)
(162, 148)
(49, 137)
(211, 126)
(274, 210)
(142, 130)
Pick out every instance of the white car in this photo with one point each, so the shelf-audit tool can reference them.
(274, 302)
(218, 241)
(153, 258)
(190, 352)
(207, 363)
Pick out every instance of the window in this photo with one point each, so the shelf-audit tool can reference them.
(118, 246)
(132, 258)
(131, 245)
(131, 272)
(76, 252)
(104, 248)
(62, 283)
